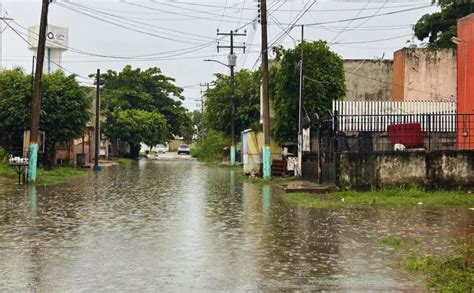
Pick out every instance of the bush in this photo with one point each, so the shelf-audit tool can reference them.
(211, 148)
(3, 154)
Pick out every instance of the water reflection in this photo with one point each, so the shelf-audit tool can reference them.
(187, 226)
(32, 200)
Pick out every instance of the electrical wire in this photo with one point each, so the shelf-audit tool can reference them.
(370, 16)
(350, 22)
(143, 23)
(372, 41)
(136, 29)
(31, 45)
(166, 53)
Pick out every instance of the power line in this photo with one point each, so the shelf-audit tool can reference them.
(372, 41)
(167, 53)
(31, 45)
(181, 14)
(370, 16)
(134, 28)
(142, 23)
(350, 22)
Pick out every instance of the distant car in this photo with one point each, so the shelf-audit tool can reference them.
(161, 148)
(183, 149)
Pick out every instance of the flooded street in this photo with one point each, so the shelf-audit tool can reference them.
(181, 225)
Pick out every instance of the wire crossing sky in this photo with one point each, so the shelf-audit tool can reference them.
(177, 35)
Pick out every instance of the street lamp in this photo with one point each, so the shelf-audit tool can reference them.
(232, 61)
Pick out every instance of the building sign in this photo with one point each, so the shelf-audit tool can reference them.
(56, 37)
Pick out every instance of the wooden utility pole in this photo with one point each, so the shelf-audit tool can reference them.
(267, 162)
(36, 103)
(232, 60)
(97, 123)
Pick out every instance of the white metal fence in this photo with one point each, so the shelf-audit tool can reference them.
(377, 115)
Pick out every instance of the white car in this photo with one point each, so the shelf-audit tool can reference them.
(183, 149)
(161, 148)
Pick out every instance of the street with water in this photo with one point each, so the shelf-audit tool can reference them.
(182, 225)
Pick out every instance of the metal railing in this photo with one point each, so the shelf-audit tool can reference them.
(432, 131)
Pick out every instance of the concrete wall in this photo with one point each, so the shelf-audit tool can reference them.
(388, 169)
(422, 74)
(368, 80)
(465, 32)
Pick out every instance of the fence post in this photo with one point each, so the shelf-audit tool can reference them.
(429, 132)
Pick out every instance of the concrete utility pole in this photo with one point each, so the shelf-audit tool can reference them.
(36, 103)
(232, 61)
(266, 152)
(97, 123)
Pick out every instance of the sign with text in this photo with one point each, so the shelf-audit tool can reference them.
(56, 37)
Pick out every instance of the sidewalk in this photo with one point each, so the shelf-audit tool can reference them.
(303, 186)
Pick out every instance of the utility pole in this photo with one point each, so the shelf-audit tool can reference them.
(2, 19)
(300, 110)
(97, 123)
(232, 61)
(266, 152)
(36, 103)
(207, 86)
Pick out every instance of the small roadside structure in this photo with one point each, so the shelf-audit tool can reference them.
(252, 144)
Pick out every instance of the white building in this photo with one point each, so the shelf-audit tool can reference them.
(57, 39)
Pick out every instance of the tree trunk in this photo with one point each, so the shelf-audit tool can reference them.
(134, 151)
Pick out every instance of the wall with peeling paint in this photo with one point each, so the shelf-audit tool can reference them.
(422, 74)
(440, 169)
(368, 80)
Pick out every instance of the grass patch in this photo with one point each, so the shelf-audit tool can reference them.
(454, 273)
(224, 165)
(391, 241)
(397, 242)
(125, 161)
(59, 175)
(6, 170)
(54, 176)
(388, 197)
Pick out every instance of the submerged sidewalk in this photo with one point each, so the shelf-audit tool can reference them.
(306, 186)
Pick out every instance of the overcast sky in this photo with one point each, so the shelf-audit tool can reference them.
(176, 35)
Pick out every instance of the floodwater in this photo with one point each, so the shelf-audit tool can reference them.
(181, 225)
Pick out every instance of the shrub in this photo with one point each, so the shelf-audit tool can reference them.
(211, 148)
(3, 155)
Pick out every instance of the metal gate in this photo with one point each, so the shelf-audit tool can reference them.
(327, 152)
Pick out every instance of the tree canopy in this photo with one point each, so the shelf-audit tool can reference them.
(136, 91)
(440, 27)
(324, 83)
(246, 99)
(65, 107)
(137, 126)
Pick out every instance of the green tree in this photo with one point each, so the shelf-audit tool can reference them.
(137, 126)
(197, 122)
(65, 108)
(247, 103)
(440, 27)
(145, 90)
(324, 83)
